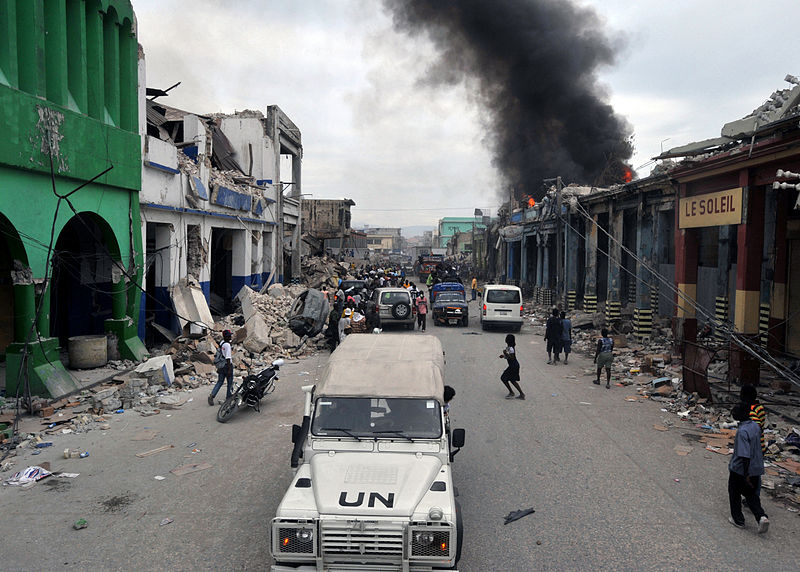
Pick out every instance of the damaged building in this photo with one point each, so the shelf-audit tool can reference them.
(217, 211)
(709, 239)
(70, 176)
(326, 222)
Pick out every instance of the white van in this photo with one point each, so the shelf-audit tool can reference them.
(502, 306)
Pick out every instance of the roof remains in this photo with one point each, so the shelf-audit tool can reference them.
(369, 365)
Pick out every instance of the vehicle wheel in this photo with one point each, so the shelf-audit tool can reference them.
(401, 311)
(227, 409)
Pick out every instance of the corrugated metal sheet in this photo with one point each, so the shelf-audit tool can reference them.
(222, 151)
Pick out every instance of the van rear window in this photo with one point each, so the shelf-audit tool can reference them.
(502, 296)
(390, 298)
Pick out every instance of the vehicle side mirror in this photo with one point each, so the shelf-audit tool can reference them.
(296, 430)
(458, 438)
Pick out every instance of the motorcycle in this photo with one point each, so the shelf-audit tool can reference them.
(250, 392)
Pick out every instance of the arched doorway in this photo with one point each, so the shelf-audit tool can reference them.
(11, 250)
(82, 266)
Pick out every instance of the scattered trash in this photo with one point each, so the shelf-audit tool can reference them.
(676, 480)
(43, 445)
(584, 403)
(166, 521)
(66, 475)
(154, 451)
(119, 411)
(84, 454)
(517, 514)
(159, 478)
(683, 450)
(27, 476)
(80, 523)
(191, 468)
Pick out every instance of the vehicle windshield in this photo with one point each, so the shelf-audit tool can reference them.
(450, 297)
(502, 296)
(374, 418)
(390, 298)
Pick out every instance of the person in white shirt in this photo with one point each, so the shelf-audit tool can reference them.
(226, 371)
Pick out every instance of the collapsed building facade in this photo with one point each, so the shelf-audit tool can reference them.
(70, 176)
(712, 239)
(214, 211)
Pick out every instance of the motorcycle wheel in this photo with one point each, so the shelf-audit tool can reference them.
(227, 409)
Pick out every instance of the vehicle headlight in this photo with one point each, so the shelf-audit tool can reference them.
(431, 542)
(290, 538)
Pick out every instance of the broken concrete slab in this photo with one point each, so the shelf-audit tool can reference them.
(190, 303)
(158, 370)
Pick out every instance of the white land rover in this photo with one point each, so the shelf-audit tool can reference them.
(373, 488)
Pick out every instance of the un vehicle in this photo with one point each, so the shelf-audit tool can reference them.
(373, 488)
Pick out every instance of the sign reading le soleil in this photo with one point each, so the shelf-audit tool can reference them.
(711, 209)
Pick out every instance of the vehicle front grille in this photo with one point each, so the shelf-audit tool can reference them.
(361, 538)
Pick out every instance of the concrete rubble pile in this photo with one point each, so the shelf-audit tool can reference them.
(323, 272)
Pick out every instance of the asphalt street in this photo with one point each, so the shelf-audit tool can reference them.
(609, 491)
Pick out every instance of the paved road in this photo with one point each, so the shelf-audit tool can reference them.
(601, 479)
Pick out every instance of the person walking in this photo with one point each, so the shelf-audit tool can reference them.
(566, 336)
(603, 356)
(511, 374)
(745, 470)
(226, 371)
(552, 335)
(422, 311)
(474, 288)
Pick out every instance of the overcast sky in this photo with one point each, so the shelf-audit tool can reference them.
(410, 154)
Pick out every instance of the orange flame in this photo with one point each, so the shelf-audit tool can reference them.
(531, 202)
(627, 175)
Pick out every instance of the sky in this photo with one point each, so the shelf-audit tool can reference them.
(409, 153)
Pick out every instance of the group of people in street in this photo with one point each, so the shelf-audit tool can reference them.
(558, 336)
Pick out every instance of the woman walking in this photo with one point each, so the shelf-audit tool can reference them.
(511, 373)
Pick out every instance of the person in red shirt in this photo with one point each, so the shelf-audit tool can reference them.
(422, 311)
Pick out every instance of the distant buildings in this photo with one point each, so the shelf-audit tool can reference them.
(384, 240)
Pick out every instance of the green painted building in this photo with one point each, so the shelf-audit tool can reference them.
(70, 175)
(448, 226)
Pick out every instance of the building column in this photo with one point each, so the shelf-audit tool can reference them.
(571, 264)
(590, 278)
(539, 259)
(722, 305)
(613, 294)
(768, 266)
(661, 249)
(750, 246)
(523, 260)
(643, 311)
(686, 256)
(777, 314)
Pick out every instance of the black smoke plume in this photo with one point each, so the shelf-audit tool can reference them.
(534, 66)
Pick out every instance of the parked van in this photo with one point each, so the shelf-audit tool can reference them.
(502, 306)
(395, 306)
